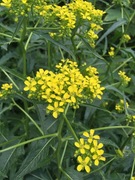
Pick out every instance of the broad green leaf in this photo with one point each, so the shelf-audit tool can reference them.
(33, 160)
(9, 159)
(113, 14)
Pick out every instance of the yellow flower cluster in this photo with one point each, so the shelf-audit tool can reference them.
(111, 52)
(65, 20)
(19, 8)
(124, 78)
(89, 151)
(67, 86)
(125, 38)
(120, 106)
(6, 89)
(133, 178)
(130, 118)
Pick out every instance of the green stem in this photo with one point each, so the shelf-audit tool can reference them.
(49, 54)
(29, 141)
(133, 167)
(29, 37)
(58, 153)
(23, 48)
(9, 77)
(27, 115)
(122, 16)
(9, 36)
(114, 127)
(70, 127)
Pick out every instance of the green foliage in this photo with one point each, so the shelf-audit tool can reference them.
(38, 140)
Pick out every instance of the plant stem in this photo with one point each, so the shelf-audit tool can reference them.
(29, 141)
(133, 167)
(70, 127)
(58, 153)
(36, 125)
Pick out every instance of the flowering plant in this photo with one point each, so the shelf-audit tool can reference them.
(67, 90)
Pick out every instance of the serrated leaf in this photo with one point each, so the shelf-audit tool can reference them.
(32, 161)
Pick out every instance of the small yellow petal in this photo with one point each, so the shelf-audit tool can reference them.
(87, 168)
(55, 114)
(79, 167)
(86, 134)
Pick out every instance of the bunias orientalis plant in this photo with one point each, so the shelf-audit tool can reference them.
(77, 17)
(65, 87)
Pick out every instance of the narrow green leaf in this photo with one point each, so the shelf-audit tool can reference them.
(6, 57)
(111, 29)
(48, 38)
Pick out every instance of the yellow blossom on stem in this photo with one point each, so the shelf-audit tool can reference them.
(81, 145)
(6, 86)
(97, 158)
(91, 135)
(83, 164)
(96, 147)
(55, 108)
(111, 52)
(30, 84)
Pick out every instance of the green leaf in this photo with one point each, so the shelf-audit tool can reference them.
(6, 57)
(47, 37)
(73, 174)
(111, 29)
(113, 14)
(9, 159)
(107, 141)
(33, 160)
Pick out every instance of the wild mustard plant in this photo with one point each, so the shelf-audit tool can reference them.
(66, 86)
(89, 151)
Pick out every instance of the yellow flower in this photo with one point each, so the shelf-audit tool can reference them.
(24, 1)
(6, 3)
(133, 178)
(55, 108)
(124, 78)
(96, 147)
(82, 146)
(111, 52)
(30, 84)
(6, 86)
(91, 135)
(125, 38)
(120, 106)
(83, 164)
(97, 158)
